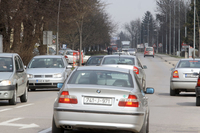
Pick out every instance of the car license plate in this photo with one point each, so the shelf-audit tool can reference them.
(190, 75)
(99, 101)
(42, 81)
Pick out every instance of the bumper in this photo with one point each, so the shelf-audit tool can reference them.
(6, 92)
(188, 86)
(97, 120)
(45, 83)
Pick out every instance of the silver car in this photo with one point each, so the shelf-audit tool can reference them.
(127, 62)
(13, 78)
(184, 77)
(96, 97)
(46, 71)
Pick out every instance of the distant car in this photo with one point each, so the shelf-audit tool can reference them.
(96, 97)
(46, 71)
(13, 78)
(183, 76)
(127, 62)
(132, 51)
(94, 60)
(149, 51)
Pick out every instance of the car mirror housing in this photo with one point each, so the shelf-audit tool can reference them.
(144, 67)
(20, 70)
(69, 67)
(149, 90)
(59, 85)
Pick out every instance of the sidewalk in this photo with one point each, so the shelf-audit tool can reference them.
(171, 60)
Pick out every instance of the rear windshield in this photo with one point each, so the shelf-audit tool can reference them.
(97, 77)
(189, 64)
(119, 60)
(94, 60)
(149, 49)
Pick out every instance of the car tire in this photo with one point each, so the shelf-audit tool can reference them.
(145, 127)
(197, 101)
(24, 97)
(172, 92)
(14, 98)
(153, 56)
(55, 129)
(144, 56)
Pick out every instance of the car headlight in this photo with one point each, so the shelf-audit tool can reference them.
(29, 75)
(58, 75)
(5, 82)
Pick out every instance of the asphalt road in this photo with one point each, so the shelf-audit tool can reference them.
(168, 114)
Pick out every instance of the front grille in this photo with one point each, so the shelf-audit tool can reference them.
(37, 76)
(48, 76)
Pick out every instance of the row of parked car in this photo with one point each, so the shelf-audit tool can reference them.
(108, 93)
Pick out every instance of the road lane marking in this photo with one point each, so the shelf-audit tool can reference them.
(24, 105)
(22, 126)
(46, 130)
(5, 109)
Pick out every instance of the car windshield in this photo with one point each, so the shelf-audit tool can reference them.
(97, 77)
(61, 52)
(94, 61)
(119, 60)
(46, 63)
(6, 64)
(149, 49)
(189, 64)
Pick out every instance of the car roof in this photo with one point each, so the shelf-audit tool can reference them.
(103, 68)
(97, 56)
(190, 59)
(7, 54)
(128, 56)
(48, 56)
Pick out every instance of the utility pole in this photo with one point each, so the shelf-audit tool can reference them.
(174, 53)
(57, 43)
(194, 25)
(166, 33)
(170, 30)
(179, 33)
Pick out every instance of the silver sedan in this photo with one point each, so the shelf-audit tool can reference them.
(46, 71)
(127, 62)
(184, 76)
(96, 97)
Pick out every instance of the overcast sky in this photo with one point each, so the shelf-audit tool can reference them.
(123, 11)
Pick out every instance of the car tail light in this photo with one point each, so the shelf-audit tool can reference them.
(131, 101)
(136, 70)
(198, 82)
(66, 98)
(175, 74)
(66, 56)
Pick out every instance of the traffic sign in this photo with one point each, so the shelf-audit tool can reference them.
(154, 45)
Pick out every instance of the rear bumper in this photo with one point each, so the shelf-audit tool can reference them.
(183, 85)
(99, 120)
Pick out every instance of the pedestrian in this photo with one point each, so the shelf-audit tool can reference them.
(109, 49)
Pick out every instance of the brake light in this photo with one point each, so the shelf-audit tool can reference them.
(136, 70)
(175, 74)
(66, 56)
(198, 82)
(131, 101)
(66, 98)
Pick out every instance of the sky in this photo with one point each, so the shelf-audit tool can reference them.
(124, 11)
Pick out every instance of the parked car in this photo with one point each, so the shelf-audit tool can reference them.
(46, 71)
(94, 60)
(13, 78)
(183, 77)
(96, 97)
(149, 51)
(127, 62)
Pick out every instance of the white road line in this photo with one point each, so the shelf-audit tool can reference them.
(5, 109)
(24, 105)
(46, 130)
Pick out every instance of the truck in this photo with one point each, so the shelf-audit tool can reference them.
(125, 45)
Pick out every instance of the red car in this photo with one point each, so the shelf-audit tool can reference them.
(149, 51)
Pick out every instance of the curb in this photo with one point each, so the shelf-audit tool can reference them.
(165, 60)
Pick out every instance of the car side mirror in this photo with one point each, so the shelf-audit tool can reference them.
(59, 85)
(69, 67)
(25, 67)
(149, 90)
(144, 67)
(20, 70)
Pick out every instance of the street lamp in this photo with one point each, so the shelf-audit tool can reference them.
(57, 27)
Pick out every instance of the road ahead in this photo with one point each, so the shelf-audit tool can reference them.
(168, 114)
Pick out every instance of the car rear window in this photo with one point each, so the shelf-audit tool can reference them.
(97, 77)
(149, 49)
(119, 60)
(94, 60)
(189, 64)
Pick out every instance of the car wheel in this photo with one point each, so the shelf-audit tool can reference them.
(14, 98)
(197, 101)
(24, 97)
(153, 56)
(145, 127)
(144, 55)
(56, 129)
(173, 92)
